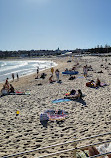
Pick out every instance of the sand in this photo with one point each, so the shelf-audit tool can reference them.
(91, 117)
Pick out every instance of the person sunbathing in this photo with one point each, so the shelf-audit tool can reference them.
(98, 82)
(72, 92)
(92, 84)
(72, 77)
(75, 96)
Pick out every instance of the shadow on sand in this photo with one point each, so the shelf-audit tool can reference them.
(81, 101)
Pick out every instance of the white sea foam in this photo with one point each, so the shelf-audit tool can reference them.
(24, 67)
(8, 65)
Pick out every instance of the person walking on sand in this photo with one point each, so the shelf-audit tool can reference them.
(13, 76)
(57, 74)
(85, 71)
(52, 70)
(37, 71)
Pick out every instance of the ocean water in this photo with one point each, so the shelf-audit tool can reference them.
(22, 67)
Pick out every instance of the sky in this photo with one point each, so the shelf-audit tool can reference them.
(49, 24)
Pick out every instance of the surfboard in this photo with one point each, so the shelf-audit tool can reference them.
(70, 72)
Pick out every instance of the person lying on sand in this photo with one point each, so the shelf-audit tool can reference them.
(98, 82)
(93, 151)
(100, 71)
(92, 84)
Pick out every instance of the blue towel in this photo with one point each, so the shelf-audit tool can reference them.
(61, 100)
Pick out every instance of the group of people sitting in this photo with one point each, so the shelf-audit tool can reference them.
(93, 84)
(7, 88)
(74, 95)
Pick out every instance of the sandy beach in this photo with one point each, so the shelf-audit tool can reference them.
(91, 117)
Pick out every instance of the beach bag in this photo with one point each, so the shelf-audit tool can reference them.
(44, 117)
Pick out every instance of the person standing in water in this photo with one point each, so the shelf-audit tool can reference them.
(13, 76)
(17, 77)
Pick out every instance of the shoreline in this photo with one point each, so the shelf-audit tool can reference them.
(52, 64)
(31, 75)
(25, 132)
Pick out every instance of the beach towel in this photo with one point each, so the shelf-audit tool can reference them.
(80, 77)
(19, 93)
(103, 84)
(61, 100)
(56, 115)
